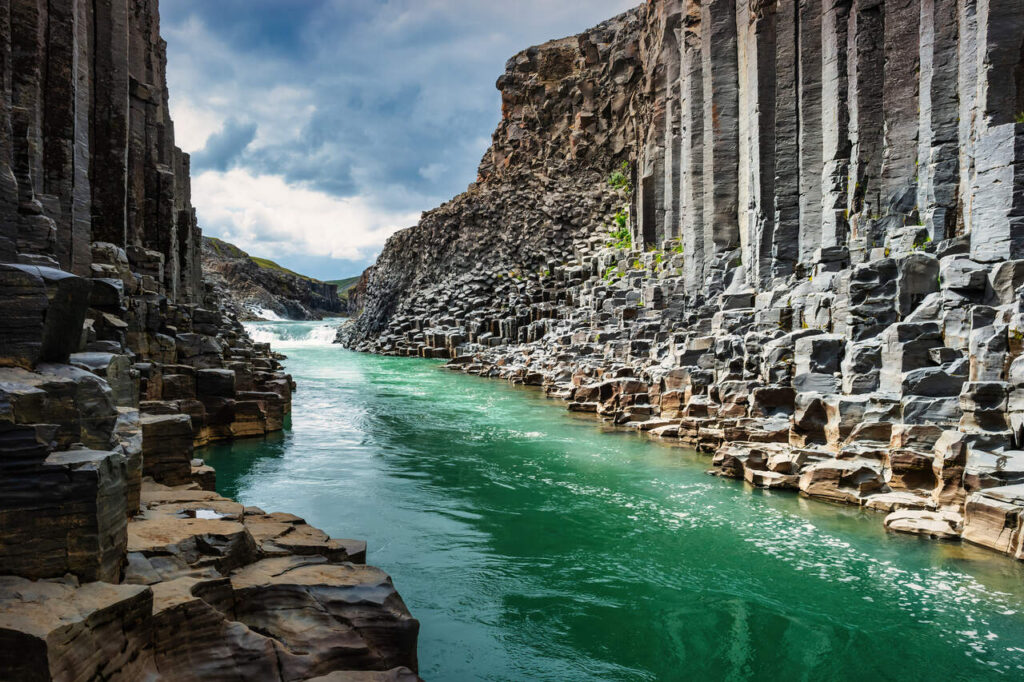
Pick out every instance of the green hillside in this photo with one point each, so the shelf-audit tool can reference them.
(344, 285)
(227, 250)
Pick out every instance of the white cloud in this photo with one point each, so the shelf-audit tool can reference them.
(269, 217)
(194, 125)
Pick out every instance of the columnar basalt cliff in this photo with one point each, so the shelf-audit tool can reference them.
(251, 287)
(117, 561)
(810, 265)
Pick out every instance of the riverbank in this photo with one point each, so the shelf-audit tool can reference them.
(533, 544)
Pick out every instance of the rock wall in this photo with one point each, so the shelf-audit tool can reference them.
(117, 562)
(811, 263)
(541, 189)
(249, 286)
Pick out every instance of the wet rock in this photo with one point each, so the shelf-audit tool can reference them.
(283, 534)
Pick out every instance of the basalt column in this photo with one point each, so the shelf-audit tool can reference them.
(967, 95)
(652, 181)
(8, 185)
(36, 230)
(757, 135)
(900, 106)
(109, 144)
(998, 189)
(786, 241)
(660, 150)
(866, 66)
(809, 114)
(65, 131)
(835, 122)
(673, 134)
(152, 219)
(721, 129)
(692, 161)
(938, 155)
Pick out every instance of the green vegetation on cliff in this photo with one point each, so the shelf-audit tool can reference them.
(227, 250)
(344, 285)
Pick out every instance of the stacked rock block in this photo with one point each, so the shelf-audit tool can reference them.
(822, 278)
(116, 560)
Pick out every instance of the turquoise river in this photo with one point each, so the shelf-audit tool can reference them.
(533, 544)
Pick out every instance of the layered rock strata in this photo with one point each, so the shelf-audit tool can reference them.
(810, 265)
(116, 560)
(257, 287)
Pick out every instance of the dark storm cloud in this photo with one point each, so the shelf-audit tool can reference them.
(224, 146)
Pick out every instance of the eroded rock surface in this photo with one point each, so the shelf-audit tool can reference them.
(202, 600)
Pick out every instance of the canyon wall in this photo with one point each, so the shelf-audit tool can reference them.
(788, 232)
(251, 287)
(117, 559)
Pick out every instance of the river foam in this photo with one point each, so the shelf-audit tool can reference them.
(290, 334)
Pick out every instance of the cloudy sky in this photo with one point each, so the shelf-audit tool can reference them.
(319, 127)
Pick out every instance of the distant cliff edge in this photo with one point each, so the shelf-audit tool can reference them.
(257, 288)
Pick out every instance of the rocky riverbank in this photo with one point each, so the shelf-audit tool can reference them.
(787, 234)
(255, 287)
(117, 359)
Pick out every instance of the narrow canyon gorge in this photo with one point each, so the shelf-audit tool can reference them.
(784, 237)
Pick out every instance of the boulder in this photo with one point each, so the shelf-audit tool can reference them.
(326, 616)
(217, 383)
(59, 631)
(840, 481)
(994, 518)
(116, 370)
(937, 525)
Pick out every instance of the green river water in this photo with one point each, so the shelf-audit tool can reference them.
(533, 544)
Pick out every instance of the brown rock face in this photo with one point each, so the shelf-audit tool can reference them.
(326, 616)
(212, 593)
(59, 631)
